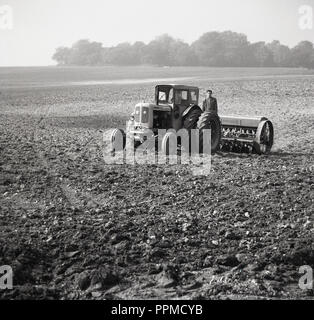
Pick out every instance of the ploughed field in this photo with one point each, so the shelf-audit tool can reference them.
(74, 227)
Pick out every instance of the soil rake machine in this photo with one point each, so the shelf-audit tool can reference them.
(247, 135)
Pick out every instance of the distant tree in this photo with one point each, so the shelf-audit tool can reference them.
(84, 52)
(221, 49)
(214, 49)
(208, 49)
(138, 52)
(302, 55)
(120, 55)
(260, 55)
(281, 54)
(157, 52)
(236, 49)
(62, 56)
(181, 54)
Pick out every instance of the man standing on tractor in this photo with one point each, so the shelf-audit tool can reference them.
(210, 103)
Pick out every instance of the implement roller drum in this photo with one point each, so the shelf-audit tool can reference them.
(264, 139)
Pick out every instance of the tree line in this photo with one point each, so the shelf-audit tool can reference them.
(212, 49)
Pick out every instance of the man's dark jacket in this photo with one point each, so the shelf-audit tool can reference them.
(210, 105)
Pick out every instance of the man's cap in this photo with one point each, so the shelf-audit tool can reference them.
(209, 91)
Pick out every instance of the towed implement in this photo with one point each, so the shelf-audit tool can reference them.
(176, 107)
(247, 134)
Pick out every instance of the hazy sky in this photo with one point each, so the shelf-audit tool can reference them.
(39, 26)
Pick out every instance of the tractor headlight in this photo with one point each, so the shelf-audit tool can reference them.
(137, 114)
(145, 115)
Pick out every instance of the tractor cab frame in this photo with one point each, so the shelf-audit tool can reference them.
(176, 94)
(180, 98)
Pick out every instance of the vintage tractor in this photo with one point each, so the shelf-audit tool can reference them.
(177, 107)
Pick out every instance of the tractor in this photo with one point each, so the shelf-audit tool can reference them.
(176, 107)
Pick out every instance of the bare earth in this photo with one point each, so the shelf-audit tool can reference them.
(73, 227)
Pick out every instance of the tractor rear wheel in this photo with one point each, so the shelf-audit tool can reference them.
(211, 121)
(191, 119)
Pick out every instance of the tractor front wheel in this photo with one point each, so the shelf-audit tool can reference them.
(169, 144)
(118, 140)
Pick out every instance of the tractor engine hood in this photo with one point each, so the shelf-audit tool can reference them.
(165, 107)
(144, 114)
